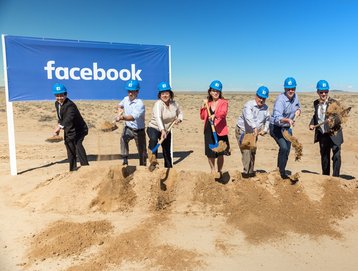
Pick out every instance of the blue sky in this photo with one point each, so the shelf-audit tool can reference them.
(244, 44)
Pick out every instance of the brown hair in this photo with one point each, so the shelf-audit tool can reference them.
(211, 98)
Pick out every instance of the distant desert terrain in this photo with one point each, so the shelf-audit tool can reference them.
(109, 217)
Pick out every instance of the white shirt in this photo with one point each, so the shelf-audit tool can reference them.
(254, 117)
(136, 109)
(321, 114)
(163, 115)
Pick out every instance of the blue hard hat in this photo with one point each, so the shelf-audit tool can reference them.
(217, 85)
(322, 85)
(58, 89)
(164, 86)
(290, 82)
(263, 92)
(132, 85)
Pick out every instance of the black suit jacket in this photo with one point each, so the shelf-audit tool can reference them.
(336, 134)
(70, 117)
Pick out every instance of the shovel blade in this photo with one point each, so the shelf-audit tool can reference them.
(155, 148)
(213, 146)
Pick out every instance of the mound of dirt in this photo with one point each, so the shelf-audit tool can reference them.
(138, 245)
(264, 214)
(264, 208)
(64, 239)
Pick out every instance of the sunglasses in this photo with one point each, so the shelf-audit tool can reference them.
(324, 91)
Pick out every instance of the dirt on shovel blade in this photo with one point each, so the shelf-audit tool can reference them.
(295, 144)
(54, 139)
(108, 126)
(222, 146)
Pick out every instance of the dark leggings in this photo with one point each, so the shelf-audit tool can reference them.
(154, 136)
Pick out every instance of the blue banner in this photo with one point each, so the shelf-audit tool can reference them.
(89, 70)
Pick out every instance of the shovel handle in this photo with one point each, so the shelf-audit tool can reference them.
(210, 120)
(162, 139)
(320, 124)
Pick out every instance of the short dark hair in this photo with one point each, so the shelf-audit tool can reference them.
(170, 92)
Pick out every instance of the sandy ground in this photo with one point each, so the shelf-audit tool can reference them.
(105, 217)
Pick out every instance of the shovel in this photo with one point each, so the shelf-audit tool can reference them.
(161, 140)
(110, 126)
(344, 113)
(151, 153)
(54, 139)
(218, 146)
(287, 134)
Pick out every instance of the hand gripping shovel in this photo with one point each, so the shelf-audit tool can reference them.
(337, 117)
(218, 146)
(161, 140)
(152, 157)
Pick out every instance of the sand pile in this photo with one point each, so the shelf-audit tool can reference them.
(65, 239)
(264, 208)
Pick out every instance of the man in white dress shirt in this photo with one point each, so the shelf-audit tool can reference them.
(255, 120)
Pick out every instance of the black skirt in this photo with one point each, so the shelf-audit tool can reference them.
(209, 139)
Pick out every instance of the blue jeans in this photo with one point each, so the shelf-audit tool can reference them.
(284, 147)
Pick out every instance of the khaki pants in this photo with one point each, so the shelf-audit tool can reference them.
(248, 155)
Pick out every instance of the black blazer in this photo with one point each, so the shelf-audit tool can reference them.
(336, 134)
(70, 117)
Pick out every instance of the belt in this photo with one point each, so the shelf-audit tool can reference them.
(135, 130)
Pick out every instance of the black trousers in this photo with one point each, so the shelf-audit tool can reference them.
(326, 145)
(74, 147)
(154, 136)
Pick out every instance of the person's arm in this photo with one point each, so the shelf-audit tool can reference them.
(277, 113)
(158, 115)
(221, 111)
(203, 110)
(312, 122)
(298, 111)
(179, 114)
(266, 123)
(137, 112)
(68, 116)
(248, 115)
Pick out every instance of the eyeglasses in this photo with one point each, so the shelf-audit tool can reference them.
(324, 91)
(290, 89)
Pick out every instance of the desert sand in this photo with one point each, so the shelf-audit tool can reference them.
(106, 217)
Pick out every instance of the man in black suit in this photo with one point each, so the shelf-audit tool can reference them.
(75, 128)
(329, 135)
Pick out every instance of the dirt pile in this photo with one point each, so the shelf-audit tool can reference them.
(139, 246)
(64, 239)
(264, 208)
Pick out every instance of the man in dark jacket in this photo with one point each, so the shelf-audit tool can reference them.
(329, 134)
(75, 128)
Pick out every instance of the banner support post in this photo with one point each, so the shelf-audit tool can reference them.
(10, 116)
